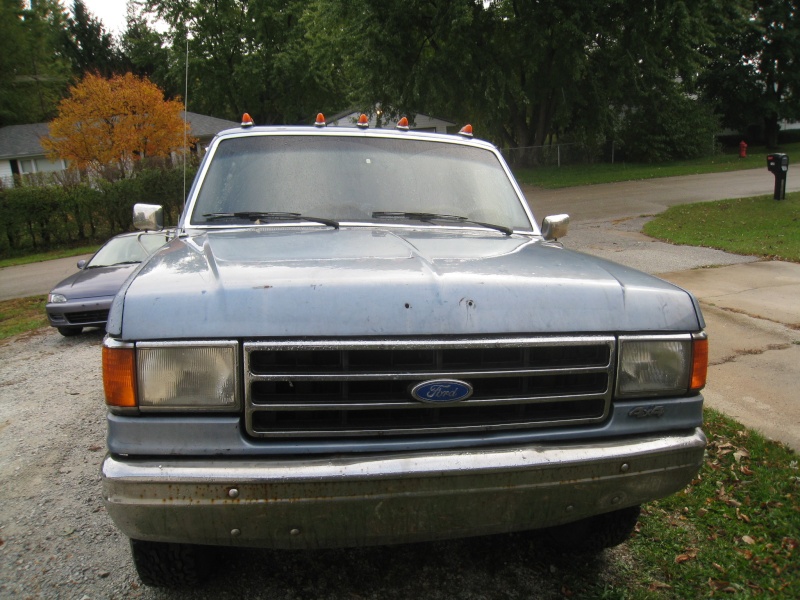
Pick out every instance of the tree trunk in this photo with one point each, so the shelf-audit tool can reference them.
(771, 129)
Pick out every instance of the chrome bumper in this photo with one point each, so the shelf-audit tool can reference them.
(383, 499)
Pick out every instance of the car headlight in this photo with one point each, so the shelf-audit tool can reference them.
(661, 365)
(167, 376)
(56, 298)
(195, 375)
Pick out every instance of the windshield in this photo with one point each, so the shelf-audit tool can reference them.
(355, 179)
(127, 249)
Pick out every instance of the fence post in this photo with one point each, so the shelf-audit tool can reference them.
(558, 150)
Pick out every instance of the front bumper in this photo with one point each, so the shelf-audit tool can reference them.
(79, 313)
(391, 498)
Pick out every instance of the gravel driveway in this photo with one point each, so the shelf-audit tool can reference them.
(56, 540)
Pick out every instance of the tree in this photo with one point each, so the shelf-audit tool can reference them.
(755, 77)
(113, 123)
(33, 75)
(525, 71)
(144, 51)
(253, 57)
(87, 45)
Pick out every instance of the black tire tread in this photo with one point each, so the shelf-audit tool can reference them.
(70, 331)
(168, 565)
(594, 534)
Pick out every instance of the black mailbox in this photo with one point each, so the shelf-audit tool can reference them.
(778, 165)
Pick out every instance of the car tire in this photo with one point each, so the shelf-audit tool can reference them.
(593, 534)
(161, 564)
(70, 331)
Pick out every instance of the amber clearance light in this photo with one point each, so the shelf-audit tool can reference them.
(119, 376)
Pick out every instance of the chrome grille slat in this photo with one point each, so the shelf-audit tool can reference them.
(323, 388)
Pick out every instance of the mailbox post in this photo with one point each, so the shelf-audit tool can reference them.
(778, 165)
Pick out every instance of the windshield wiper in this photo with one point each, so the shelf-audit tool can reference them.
(423, 216)
(271, 216)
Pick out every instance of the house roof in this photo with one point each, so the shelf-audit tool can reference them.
(23, 141)
(205, 126)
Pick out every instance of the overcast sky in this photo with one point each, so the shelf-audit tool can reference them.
(110, 12)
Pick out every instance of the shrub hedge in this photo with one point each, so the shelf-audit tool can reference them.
(56, 210)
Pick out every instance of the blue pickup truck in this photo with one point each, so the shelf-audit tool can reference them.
(363, 336)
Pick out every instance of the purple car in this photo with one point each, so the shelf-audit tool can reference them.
(84, 298)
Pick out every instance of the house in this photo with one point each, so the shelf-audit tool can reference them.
(21, 151)
(420, 122)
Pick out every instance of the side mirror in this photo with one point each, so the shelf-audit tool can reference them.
(81, 264)
(555, 226)
(148, 217)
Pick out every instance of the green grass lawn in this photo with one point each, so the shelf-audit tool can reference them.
(735, 531)
(42, 256)
(21, 315)
(757, 226)
(573, 175)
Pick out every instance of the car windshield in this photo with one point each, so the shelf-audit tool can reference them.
(352, 178)
(124, 250)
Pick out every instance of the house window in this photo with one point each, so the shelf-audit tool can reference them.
(48, 166)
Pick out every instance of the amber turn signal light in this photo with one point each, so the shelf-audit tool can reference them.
(699, 364)
(119, 376)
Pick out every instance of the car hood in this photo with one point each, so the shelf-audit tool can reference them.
(94, 283)
(361, 281)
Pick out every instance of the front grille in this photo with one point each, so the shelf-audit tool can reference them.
(89, 316)
(344, 388)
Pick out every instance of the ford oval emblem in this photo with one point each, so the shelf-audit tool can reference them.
(440, 391)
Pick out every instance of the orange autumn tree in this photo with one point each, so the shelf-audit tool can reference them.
(115, 123)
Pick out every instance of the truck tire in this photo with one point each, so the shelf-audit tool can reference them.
(593, 534)
(70, 331)
(162, 564)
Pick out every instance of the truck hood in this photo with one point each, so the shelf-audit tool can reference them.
(367, 281)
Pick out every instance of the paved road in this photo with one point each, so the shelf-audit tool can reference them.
(37, 278)
(751, 307)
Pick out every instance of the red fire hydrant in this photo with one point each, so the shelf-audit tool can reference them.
(742, 149)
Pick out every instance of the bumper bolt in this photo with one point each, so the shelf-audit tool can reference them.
(236, 532)
(233, 493)
(625, 468)
(294, 532)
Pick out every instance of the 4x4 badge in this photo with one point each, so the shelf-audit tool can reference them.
(439, 391)
(643, 412)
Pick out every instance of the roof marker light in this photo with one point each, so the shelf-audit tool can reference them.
(402, 124)
(320, 122)
(466, 130)
(363, 121)
(247, 120)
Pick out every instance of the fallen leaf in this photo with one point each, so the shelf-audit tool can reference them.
(746, 471)
(722, 586)
(718, 567)
(659, 585)
(740, 454)
(688, 555)
(748, 540)
(742, 517)
(95, 448)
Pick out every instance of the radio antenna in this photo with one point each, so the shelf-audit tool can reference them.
(185, 118)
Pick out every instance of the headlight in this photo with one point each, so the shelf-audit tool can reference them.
(56, 298)
(651, 366)
(195, 375)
